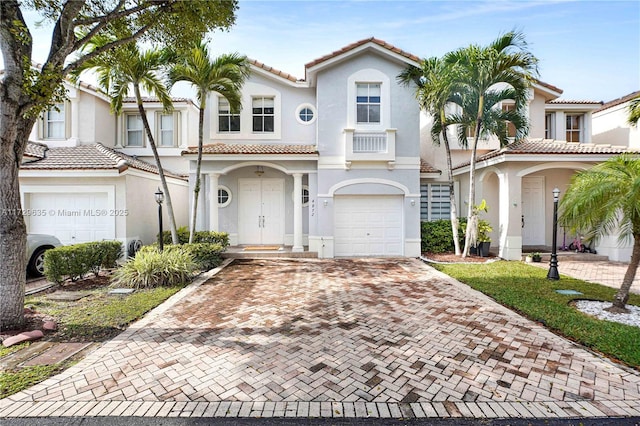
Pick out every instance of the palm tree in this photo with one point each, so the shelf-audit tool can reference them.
(606, 200)
(127, 67)
(226, 75)
(634, 111)
(484, 73)
(435, 82)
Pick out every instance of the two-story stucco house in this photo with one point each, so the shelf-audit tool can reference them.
(331, 162)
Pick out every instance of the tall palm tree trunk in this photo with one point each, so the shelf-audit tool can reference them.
(622, 296)
(452, 197)
(472, 188)
(163, 180)
(196, 189)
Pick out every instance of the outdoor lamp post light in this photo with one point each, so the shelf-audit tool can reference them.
(553, 264)
(159, 199)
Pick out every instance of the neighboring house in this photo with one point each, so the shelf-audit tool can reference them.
(340, 163)
(75, 186)
(610, 123)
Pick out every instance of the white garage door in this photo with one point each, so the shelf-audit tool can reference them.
(73, 218)
(368, 226)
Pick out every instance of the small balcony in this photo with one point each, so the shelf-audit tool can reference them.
(370, 146)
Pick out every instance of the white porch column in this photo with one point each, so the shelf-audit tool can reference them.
(510, 215)
(213, 201)
(297, 212)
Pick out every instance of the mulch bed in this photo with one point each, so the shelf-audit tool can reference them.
(452, 258)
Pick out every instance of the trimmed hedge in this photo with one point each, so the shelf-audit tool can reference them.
(436, 236)
(154, 268)
(205, 255)
(77, 260)
(209, 237)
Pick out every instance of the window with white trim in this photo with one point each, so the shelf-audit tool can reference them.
(549, 125)
(224, 196)
(134, 130)
(511, 129)
(166, 130)
(574, 127)
(54, 122)
(434, 201)
(263, 114)
(227, 122)
(368, 103)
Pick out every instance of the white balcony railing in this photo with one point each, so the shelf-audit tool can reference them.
(370, 146)
(369, 142)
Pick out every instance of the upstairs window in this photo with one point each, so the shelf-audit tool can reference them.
(227, 122)
(549, 126)
(511, 129)
(368, 103)
(574, 128)
(166, 130)
(54, 124)
(434, 202)
(263, 114)
(134, 130)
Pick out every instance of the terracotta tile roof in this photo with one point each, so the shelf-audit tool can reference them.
(553, 147)
(273, 70)
(573, 102)
(618, 101)
(239, 148)
(35, 150)
(152, 99)
(549, 86)
(427, 168)
(91, 157)
(352, 46)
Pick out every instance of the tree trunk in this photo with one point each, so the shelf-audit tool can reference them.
(196, 189)
(13, 240)
(472, 195)
(452, 197)
(15, 126)
(472, 179)
(163, 180)
(622, 296)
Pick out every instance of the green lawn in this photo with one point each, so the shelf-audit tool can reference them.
(525, 289)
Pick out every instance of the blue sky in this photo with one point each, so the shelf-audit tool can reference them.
(590, 49)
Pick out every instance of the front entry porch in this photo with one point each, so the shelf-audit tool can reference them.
(252, 252)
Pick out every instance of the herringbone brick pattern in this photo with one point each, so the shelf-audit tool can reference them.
(366, 337)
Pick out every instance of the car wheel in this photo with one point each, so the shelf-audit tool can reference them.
(36, 263)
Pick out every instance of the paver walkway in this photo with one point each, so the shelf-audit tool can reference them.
(335, 338)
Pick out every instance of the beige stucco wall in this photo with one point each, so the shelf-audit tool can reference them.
(142, 221)
(536, 117)
(610, 127)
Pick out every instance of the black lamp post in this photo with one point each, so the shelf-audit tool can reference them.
(553, 264)
(159, 199)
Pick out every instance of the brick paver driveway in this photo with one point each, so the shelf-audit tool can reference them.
(368, 337)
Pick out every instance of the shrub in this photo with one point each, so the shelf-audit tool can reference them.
(210, 237)
(436, 235)
(154, 268)
(206, 256)
(77, 260)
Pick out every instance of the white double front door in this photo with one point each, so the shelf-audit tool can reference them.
(261, 211)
